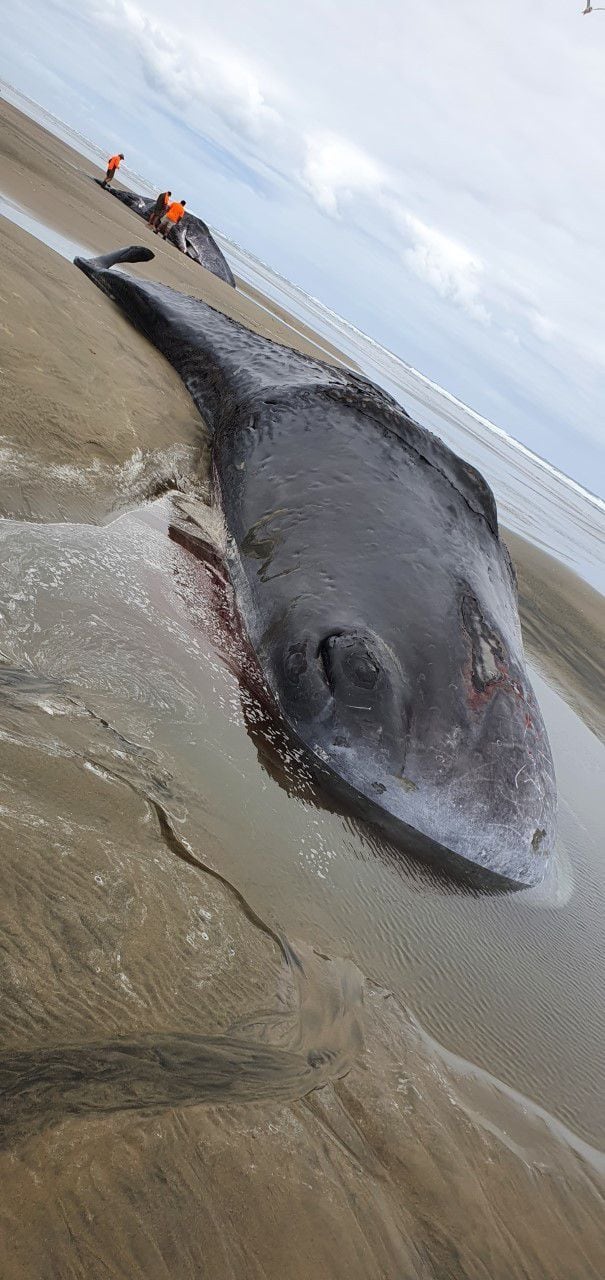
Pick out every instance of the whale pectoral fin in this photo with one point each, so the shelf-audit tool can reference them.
(134, 253)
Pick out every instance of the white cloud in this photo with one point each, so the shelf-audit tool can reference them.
(451, 270)
(189, 73)
(336, 170)
(543, 327)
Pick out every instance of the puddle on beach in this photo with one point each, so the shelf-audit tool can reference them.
(169, 876)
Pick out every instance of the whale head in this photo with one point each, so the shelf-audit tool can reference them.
(391, 636)
(442, 739)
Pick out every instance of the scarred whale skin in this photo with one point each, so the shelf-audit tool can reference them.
(377, 594)
(190, 235)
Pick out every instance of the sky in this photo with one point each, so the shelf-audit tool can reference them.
(430, 169)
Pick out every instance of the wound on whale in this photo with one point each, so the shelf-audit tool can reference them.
(376, 592)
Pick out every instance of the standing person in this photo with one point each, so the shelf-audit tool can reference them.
(159, 208)
(172, 216)
(113, 165)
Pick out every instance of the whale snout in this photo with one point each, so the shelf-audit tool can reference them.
(465, 766)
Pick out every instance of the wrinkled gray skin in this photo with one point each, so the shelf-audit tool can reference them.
(190, 235)
(374, 587)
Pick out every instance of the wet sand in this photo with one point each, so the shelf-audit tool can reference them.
(563, 621)
(185, 1093)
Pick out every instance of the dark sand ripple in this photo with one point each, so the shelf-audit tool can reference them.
(155, 1072)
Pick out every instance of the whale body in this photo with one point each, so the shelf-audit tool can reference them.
(375, 589)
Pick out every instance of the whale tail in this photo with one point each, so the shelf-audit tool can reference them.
(134, 253)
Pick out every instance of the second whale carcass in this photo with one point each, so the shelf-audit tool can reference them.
(376, 591)
(191, 235)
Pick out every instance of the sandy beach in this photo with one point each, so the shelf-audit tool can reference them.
(140, 901)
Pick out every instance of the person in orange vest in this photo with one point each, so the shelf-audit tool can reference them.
(113, 165)
(172, 216)
(159, 208)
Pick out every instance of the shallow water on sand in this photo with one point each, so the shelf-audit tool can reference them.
(160, 845)
(23, 218)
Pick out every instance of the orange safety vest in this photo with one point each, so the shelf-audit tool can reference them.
(175, 212)
(114, 162)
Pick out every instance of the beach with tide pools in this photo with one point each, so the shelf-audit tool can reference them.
(240, 1034)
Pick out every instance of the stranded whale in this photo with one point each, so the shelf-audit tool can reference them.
(375, 589)
(190, 235)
